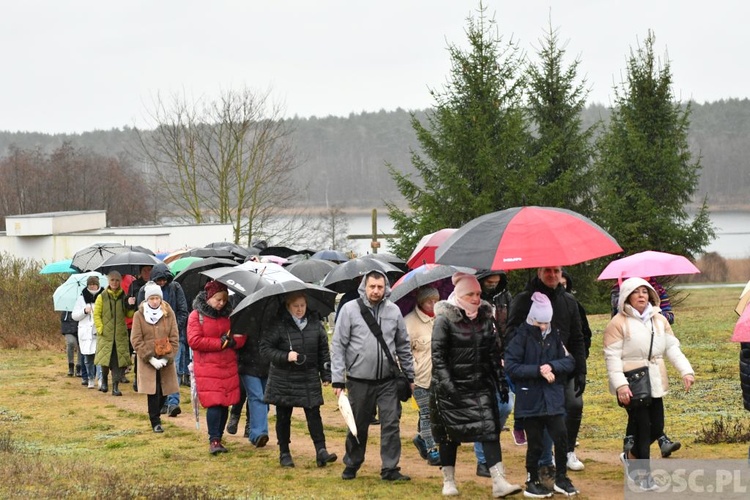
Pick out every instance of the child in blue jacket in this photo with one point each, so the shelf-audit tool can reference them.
(539, 365)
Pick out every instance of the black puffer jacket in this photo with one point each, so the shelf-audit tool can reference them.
(290, 384)
(466, 375)
(745, 374)
(249, 359)
(566, 318)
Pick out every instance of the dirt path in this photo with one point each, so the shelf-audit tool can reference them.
(602, 478)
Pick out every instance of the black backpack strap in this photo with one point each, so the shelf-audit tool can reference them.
(375, 329)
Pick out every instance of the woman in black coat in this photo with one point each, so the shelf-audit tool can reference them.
(466, 376)
(297, 347)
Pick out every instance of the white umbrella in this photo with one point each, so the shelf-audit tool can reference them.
(270, 271)
(346, 411)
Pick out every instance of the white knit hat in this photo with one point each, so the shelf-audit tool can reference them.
(541, 308)
(150, 289)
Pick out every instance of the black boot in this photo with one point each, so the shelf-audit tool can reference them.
(116, 388)
(323, 458)
(105, 386)
(78, 370)
(70, 369)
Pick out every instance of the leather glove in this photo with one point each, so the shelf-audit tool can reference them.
(504, 390)
(579, 384)
(227, 341)
(155, 362)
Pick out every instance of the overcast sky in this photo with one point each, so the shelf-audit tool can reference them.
(75, 66)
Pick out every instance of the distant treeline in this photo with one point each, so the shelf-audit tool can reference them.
(342, 160)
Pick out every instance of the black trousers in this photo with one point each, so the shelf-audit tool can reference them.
(573, 413)
(555, 425)
(447, 448)
(284, 427)
(155, 402)
(646, 425)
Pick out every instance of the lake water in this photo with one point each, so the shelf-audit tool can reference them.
(732, 233)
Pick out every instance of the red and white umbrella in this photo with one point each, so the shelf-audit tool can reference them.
(524, 238)
(424, 253)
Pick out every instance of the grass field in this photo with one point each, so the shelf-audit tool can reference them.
(59, 440)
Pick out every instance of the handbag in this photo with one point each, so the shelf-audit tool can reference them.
(403, 386)
(162, 346)
(640, 382)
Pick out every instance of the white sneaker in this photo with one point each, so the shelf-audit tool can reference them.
(573, 462)
(91, 384)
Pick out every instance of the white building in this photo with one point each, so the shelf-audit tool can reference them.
(54, 236)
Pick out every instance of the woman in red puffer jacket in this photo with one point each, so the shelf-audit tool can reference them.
(214, 358)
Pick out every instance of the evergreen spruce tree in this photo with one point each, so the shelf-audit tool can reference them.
(562, 148)
(474, 147)
(645, 173)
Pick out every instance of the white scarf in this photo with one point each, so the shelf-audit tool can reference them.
(646, 315)
(152, 315)
(301, 322)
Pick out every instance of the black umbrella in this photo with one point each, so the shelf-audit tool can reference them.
(282, 252)
(332, 255)
(241, 281)
(423, 275)
(138, 248)
(311, 270)
(127, 263)
(191, 279)
(263, 305)
(390, 259)
(344, 277)
(239, 252)
(90, 257)
(210, 252)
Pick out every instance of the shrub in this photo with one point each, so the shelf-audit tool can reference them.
(28, 319)
(713, 268)
(724, 431)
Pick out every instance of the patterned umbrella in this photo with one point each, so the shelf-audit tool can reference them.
(91, 257)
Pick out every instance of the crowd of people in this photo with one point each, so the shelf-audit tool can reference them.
(471, 360)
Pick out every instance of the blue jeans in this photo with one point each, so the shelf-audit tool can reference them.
(422, 397)
(257, 410)
(503, 410)
(173, 399)
(182, 360)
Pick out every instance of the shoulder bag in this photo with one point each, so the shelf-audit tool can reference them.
(639, 381)
(403, 387)
(162, 346)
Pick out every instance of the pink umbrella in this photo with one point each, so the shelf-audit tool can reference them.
(424, 253)
(647, 264)
(742, 327)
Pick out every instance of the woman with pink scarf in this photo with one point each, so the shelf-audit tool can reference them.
(466, 376)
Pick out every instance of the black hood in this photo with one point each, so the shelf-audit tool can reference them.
(161, 270)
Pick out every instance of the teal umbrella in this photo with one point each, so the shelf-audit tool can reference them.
(61, 266)
(177, 266)
(65, 295)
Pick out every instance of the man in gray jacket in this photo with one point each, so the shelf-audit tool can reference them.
(359, 364)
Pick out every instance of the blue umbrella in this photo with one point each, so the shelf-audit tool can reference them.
(65, 295)
(61, 266)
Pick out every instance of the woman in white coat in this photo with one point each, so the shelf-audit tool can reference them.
(627, 343)
(83, 313)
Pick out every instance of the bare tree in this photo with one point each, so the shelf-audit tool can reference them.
(331, 230)
(230, 160)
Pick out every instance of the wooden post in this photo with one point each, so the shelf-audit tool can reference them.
(373, 237)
